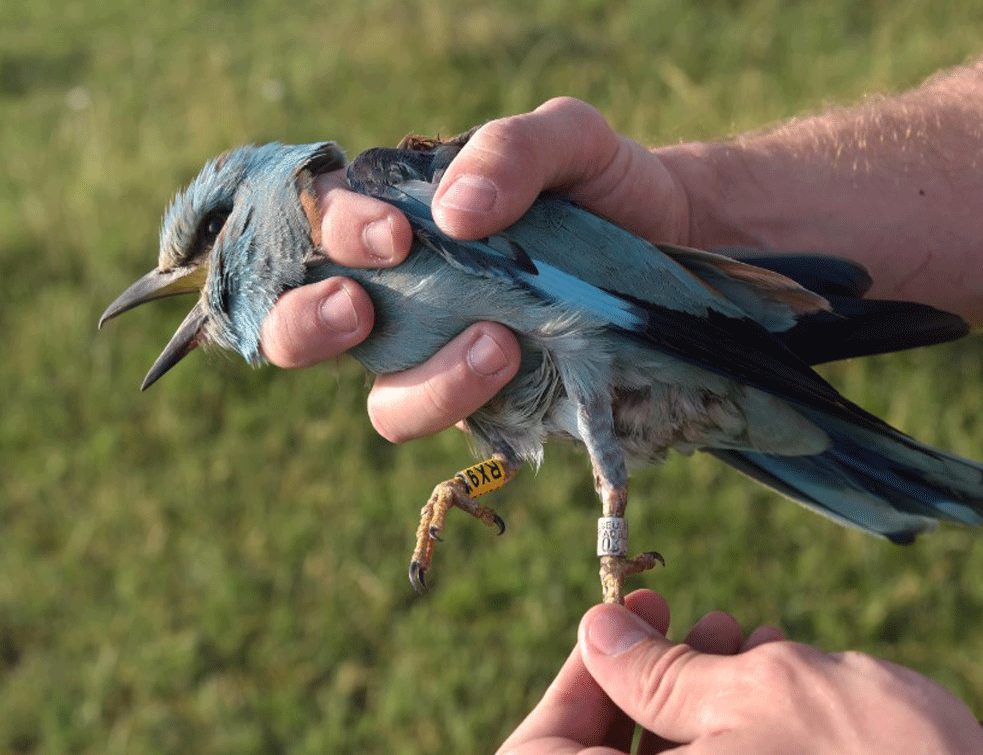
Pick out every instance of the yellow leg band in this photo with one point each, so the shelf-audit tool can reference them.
(484, 477)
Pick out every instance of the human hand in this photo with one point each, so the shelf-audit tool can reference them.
(771, 696)
(564, 144)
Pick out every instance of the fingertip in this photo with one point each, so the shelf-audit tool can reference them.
(650, 606)
(385, 239)
(717, 633)
(316, 322)
(763, 635)
(460, 378)
(493, 353)
(611, 630)
(467, 206)
(361, 231)
(508, 162)
(493, 180)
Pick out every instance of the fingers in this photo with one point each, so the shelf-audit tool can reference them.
(717, 633)
(316, 322)
(655, 682)
(320, 321)
(508, 162)
(564, 144)
(574, 712)
(651, 607)
(452, 384)
(360, 231)
(761, 635)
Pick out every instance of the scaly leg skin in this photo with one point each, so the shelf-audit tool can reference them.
(459, 491)
(596, 426)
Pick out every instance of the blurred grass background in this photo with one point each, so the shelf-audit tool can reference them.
(218, 566)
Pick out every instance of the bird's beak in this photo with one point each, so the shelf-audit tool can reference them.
(180, 345)
(157, 284)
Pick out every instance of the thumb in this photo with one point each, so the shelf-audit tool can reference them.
(659, 684)
(507, 163)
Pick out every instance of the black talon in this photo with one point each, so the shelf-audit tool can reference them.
(435, 535)
(657, 556)
(501, 524)
(416, 577)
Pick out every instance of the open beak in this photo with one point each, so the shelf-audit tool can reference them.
(159, 284)
(182, 342)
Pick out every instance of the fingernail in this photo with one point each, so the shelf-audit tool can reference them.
(378, 239)
(485, 356)
(337, 312)
(612, 633)
(470, 193)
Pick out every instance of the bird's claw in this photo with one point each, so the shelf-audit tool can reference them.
(448, 494)
(654, 555)
(417, 573)
(500, 523)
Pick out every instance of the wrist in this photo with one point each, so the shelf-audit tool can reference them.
(706, 176)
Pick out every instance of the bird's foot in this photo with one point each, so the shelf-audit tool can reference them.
(457, 492)
(614, 569)
(612, 545)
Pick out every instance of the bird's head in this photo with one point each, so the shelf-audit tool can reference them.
(240, 234)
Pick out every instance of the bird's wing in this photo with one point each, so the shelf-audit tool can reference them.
(824, 274)
(568, 256)
(767, 296)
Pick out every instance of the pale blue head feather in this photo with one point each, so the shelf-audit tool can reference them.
(263, 244)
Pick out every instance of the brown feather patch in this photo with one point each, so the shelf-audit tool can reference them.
(767, 284)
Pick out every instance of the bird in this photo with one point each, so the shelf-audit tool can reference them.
(629, 348)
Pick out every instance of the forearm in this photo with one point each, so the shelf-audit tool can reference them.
(896, 184)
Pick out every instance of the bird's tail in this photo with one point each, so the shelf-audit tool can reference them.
(878, 480)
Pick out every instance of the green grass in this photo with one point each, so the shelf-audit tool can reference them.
(218, 565)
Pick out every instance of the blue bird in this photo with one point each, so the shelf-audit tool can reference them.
(630, 348)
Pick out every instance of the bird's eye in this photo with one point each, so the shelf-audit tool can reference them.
(211, 226)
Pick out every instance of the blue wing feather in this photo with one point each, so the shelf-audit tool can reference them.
(679, 316)
(871, 475)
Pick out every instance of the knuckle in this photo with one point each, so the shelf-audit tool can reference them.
(513, 138)
(780, 667)
(570, 107)
(657, 681)
(861, 663)
(440, 395)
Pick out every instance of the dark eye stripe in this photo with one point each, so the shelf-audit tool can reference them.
(208, 230)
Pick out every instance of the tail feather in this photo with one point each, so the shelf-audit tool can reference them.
(885, 483)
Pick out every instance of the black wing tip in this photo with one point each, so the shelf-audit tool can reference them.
(865, 327)
(904, 537)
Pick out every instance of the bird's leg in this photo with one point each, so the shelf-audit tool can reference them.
(459, 491)
(596, 426)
